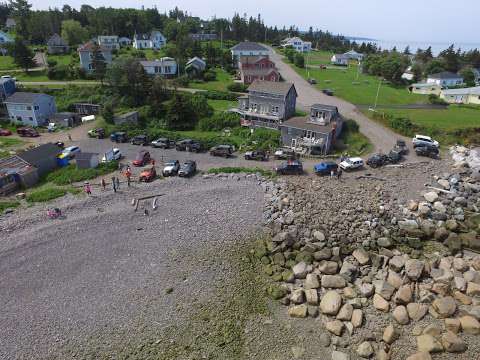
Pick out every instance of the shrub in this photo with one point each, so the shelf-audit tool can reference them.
(8, 204)
(220, 95)
(71, 173)
(108, 112)
(182, 81)
(403, 125)
(219, 121)
(435, 100)
(45, 194)
(237, 87)
(299, 60)
(209, 75)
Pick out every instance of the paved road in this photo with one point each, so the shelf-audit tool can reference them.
(382, 138)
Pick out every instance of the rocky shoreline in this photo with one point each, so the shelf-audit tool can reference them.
(339, 256)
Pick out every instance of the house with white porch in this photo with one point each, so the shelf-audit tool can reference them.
(445, 79)
(298, 44)
(165, 67)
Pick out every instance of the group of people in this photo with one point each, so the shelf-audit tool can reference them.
(337, 173)
(87, 187)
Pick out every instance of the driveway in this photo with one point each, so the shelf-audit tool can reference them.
(382, 138)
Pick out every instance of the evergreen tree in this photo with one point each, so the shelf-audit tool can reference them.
(22, 55)
(21, 12)
(98, 63)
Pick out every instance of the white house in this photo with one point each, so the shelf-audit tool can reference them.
(196, 63)
(32, 109)
(153, 40)
(248, 48)
(166, 67)
(108, 41)
(445, 79)
(124, 41)
(298, 44)
(340, 59)
(353, 55)
(425, 89)
(461, 96)
(4, 38)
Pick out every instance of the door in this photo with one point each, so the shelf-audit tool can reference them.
(294, 143)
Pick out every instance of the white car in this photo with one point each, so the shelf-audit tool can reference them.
(423, 140)
(171, 168)
(71, 151)
(114, 154)
(351, 163)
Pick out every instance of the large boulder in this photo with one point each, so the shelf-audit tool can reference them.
(331, 303)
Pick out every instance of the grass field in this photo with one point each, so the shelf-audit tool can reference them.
(6, 63)
(220, 84)
(61, 59)
(30, 76)
(222, 105)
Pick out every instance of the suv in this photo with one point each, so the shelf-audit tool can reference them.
(187, 169)
(285, 154)
(325, 168)
(148, 175)
(222, 150)
(97, 133)
(118, 137)
(292, 167)
(139, 140)
(429, 151)
(188, 145)
(421, 140)
(171, 168)
(142, 159)
(377, 160)
(351, 163)
(27, 132)
(401, 147)
(256, 155)
(163, 143)
(394, 156)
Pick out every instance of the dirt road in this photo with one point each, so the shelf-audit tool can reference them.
(382, 138)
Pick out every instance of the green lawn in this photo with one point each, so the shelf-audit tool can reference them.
(317, 57)
(222, 105)
(30, 76)
(6, 63)
(61, 59)
(8, 144)
(220, 84)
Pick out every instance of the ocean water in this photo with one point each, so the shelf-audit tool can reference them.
(437, 47)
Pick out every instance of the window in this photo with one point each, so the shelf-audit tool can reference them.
(30, 118)
(29, 108)
(36, 107)
(19, 118)
(167, 69)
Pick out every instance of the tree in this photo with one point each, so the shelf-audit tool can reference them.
(158, 95)
(22, 55)
(21, 12)
(108, 112)
(468, 76)
(126, 77)
(98, 63)
(299, 60)
(450, 59)
(434, 66)
(180, 115)
(73, 32)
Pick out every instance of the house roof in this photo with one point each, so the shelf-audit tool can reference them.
(157, 62)
(259, 72)
(196, 59)
(249, 46)
(33, 156)
(85, 155)
(324, 107)
(251, 59)
(352, 52)
(303, 122)
(272, 87)
(21, 97)
(464, 91)
(14, 165)
(141, 36)
(445, 75)
(424, 85)
(89, 46)
(56, 40)
(341, 56)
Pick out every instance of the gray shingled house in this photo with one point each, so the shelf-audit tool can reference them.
(314, 134)
(268, 104)
(43, 157)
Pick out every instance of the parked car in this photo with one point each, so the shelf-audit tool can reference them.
(421, 140)
(312, 81)
(256, 155)
(60, 144)
(163, 143)
(71, 151)
(142, 159)
(27, 132)
(5, 132)
(171, 168)
(327, 92)
(139, 140)
(291, 167)
(285, 154)
(222, 150)
(188, 145)
(114, 154)
(377, 160)
(148, 175)
(187, 169)
(98, 133)
(119, 137)
(401, 147)
(429, 151)
(351, 163)
(325, 168)
(394, 156)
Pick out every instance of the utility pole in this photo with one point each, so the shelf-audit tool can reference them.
(376, 97)
(265, 34)
(221, 39)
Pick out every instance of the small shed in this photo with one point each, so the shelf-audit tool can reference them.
(43, 157)
(15, 173)
(87, 109)
(130, 118)
(86, 160)
(66, 119)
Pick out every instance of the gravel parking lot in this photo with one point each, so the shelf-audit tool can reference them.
(105, 266)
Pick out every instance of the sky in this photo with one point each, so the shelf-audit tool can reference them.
(405, 20)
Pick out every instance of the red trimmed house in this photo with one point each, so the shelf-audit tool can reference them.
(253, 68)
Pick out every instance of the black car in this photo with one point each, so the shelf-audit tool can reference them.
(394, 156)
(139, 140)
(259, 155)
(312, 81)
(188, 169)
(119, 137)
(163, 143)
(377, 160)
(328, 92)
(222, 150)
(188, 145)
(401, 147)
(428, 151)
(293, 167)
